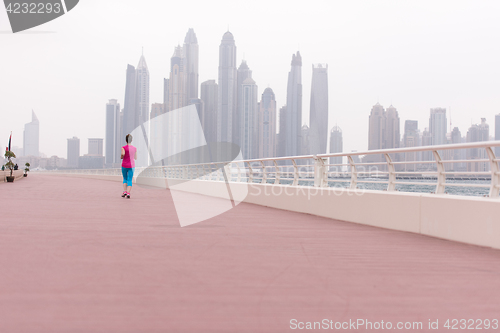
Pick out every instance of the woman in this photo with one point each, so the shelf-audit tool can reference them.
(128, 165)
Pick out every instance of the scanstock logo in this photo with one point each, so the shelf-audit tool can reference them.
(176, 139)
(26, 14)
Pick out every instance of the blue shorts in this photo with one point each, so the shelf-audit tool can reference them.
(128, 174)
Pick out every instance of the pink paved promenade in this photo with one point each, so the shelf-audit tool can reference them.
(76, 257)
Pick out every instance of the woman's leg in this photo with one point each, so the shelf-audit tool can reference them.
(129, 179)
(124, 174)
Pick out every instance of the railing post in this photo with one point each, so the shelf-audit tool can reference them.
(277, 173)
(354, 173)
(295, 174)
(441, 178)
(495, 174)
(319, 172)
(221, 174)
(250, 173)
(391, 186)
(264, 173)
(227, 173)
(238, 178)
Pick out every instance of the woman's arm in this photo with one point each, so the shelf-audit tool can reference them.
(135, 155)
(123, 153)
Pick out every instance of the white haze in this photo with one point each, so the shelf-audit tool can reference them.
(413, 54)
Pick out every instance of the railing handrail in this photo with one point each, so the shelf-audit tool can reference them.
(320, 176)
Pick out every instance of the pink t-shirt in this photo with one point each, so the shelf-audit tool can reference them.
(128, 159)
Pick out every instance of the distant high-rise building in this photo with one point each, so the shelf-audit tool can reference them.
(497, 134)
(304, 142)
(392, 128)
(336, 146)
(478, 133)
(136, 105)
(73, 152)
(426, 141)
(411, 135)
(130, 120)
(191, 54)
(411, 138)
(142, 91)
(177, 81)
(377, 128)
(457, 154)
(292, 134)
(31, 140)
(95, 147)
(438, 126)
(456, 136)
(166, 92)
(242, 74)
(157, 135)
(281, 145)
(113, 133)
(227, 121)
(209, 96)
(248, 119)
(267, 124)
(383, 131)
(318, 116)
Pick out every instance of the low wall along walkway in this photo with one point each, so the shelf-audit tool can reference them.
(17, 173)
(469, 220)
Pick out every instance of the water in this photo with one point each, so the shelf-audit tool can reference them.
(381, 186)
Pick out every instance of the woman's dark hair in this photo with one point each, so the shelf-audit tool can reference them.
(128, 138)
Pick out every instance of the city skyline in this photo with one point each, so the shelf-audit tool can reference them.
(438, 62)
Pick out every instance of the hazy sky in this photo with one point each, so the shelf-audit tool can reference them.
(413, 54)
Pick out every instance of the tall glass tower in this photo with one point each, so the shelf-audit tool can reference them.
(318, 116)
(227, 122)
(293, 116)
(31, 141)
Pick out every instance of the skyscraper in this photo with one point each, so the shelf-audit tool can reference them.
(281, 145)
(478, 133)
(438, 126)
(95, 147)
(113, 133)
(209, 95)
(157, 135)
(336, 146)
(177, 99)
(31, 140)
(73, 152)
(411, 135)
(166, 92)
(497, 134)
(248, 119)
(242, 74)
(304, 143)
(392, 127)
(190, 52)
(457, 154)
(129, 115)
(318, 116)
(426, 141)
(142, 91)
(377, 128)
(293, 118)
(177, 81)
(267, 125)
(136, 105)
(227, 124)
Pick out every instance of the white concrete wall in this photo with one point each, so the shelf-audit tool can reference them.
(469, 220)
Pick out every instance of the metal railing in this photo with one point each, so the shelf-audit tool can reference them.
(388, 169)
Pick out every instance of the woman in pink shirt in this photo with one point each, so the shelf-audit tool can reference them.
(129, 155)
